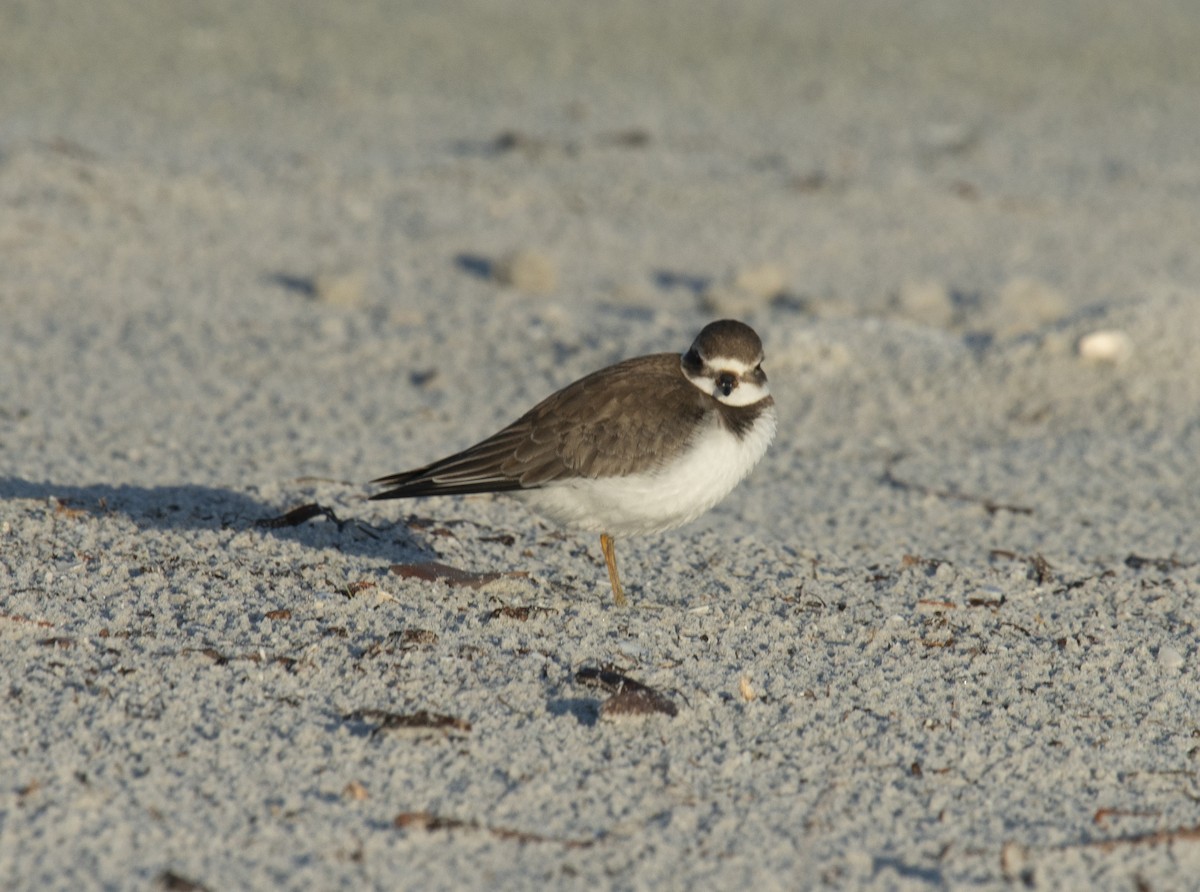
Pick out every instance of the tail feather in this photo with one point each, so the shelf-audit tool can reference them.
(415, 485)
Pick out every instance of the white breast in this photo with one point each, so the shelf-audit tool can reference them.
(675, 494)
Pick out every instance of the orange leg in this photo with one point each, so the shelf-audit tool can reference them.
(610, 558)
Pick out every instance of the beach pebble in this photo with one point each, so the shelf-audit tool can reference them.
(766, 280)
(1024, 305)
(746, 689)
(948, 138)
(859, 863)
(1105, 346)
(1169, 658)
(340, 289)
(722, 300)
(1014, 862)
(744, 290)
(925, 301)
(526, 270)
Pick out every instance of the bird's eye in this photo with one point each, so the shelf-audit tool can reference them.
(726, 383)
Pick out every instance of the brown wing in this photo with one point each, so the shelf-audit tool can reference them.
(596, 427)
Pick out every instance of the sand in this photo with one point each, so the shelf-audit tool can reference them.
(254, 255)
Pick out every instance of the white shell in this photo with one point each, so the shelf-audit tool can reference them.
(1109, 345)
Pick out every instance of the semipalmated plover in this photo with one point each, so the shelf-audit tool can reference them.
(639, 447)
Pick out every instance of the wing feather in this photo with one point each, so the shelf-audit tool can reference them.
(596, 427)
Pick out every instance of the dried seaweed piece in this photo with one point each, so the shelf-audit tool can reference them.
(503, 538)
(170, 880)
(355, 792)
(629, 697)
(429, 822)
(61, 642)
(17, 618)
(991, 507)
(1162, 565)
(64, 508)
(422, 720)
(1152, 838)
(1102, 815)
(297, 516)
(354, 588)
(933, 604)
(411, 638)
(1039, 568)
(516, 140)
(632, 138)
(987, 602)
(435, 571)
(916, 560)
(939, 642)
(520, 614)
(253, 656)
(211, 652)
(424, 820)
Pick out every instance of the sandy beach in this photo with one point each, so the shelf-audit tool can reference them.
(255, 255)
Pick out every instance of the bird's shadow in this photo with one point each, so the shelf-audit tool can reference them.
(585, 711)
(192, 507)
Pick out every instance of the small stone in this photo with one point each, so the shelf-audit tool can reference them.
(1024, 305)
(745, 689)
(528, 271)
(1110, 346)
(1014, 862)
(745, 290)
(766, 281)
(722, 300)
(343, 289)
(949, 138)
(927, 302)
(1169, 658)
(632, 294)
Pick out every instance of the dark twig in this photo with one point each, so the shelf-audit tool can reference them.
(299, 515)
(988, 505)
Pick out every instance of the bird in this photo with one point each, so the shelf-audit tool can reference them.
(639, 447)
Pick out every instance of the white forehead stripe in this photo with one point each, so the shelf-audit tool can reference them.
(729, 364)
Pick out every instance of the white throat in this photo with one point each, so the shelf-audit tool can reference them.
(747, 393)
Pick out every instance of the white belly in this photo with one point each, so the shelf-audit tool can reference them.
(673, 495)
